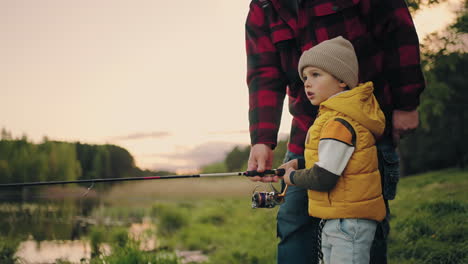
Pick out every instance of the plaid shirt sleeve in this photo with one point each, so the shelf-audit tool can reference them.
(393, 26)
(265, 78)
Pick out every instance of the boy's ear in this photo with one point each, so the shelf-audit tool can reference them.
(343, 84)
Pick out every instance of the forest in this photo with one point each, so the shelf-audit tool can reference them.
(24, 161)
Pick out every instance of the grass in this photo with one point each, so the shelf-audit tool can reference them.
(227, 230)
(429, 219)
(124, 249)
(8, 247)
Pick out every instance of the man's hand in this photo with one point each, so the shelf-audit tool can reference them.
(261, 159)
(403, 123)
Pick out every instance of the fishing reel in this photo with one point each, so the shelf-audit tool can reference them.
(267, 199)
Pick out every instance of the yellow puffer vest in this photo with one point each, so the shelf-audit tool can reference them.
(358, 192)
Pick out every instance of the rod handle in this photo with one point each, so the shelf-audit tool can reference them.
(277, 172)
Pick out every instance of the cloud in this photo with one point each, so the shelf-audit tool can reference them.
(142, 135)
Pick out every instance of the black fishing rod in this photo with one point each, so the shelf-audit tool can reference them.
(277, 172)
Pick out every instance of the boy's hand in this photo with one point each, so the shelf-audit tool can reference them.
(286, 176)
(290, 164)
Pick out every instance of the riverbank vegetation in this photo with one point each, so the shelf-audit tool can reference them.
(428, 225)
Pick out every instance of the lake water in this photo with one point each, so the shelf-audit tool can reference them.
(53, 223)
(49, 223)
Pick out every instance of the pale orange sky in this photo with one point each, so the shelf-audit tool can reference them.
(163, 79)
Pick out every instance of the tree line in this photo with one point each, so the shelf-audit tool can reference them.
(24, 161)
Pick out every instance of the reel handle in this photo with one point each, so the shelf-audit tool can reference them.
(277, 172)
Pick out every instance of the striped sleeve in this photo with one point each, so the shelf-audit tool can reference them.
(336, 146)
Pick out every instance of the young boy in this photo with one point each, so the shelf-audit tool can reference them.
(341, 168)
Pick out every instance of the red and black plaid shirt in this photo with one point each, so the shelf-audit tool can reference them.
(384, 38)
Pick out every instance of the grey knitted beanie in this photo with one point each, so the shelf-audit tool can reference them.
(335, 56)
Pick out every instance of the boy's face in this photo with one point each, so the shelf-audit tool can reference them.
(319, 85)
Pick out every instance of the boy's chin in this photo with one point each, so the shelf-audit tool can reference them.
(313, 102)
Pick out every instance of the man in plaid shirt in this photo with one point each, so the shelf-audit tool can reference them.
(387, 47)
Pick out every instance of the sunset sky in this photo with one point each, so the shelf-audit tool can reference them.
(163, 79)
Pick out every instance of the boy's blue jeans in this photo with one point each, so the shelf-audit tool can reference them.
(298, 232)
(347, 240)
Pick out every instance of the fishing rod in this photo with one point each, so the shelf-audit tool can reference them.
(277, 172)
(262, 199)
